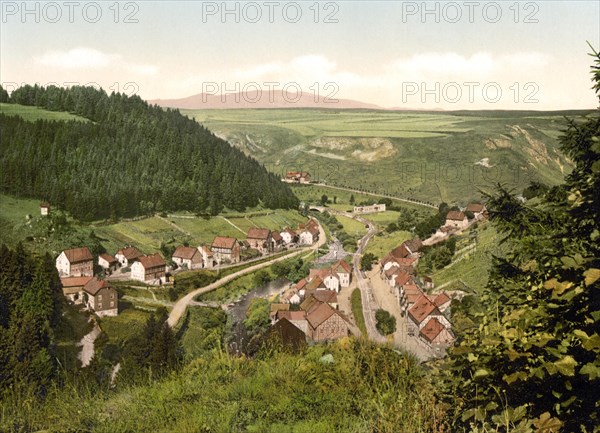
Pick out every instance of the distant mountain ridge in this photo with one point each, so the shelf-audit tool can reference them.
(275, 98)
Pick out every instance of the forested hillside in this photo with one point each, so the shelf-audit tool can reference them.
(130, 159)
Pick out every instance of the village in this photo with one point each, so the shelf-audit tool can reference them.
(314, 309)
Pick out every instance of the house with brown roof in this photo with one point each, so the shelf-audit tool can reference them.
(187, 257)
(44, 208)
(126, 256)
(409, 294)
(274, 308)
(225, 249)
(107, 262)
(456, 219)
(413, 245)
(75, 262)
(442, 301)
(289, 236)
(296, 318)
(343, 271)
(208, 260)
(72, 288)
(327, 296)
(287, 334)
(325, 323)
(400, 252)
(260, 239)
(276, 240)
(478, 209)
(315, 284)
(150, 269)
(330, 279)
(101, 297)
(308, 233)
(291, 296)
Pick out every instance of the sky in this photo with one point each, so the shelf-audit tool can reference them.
(411, 55)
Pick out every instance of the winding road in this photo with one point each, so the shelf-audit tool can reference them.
(181, 305)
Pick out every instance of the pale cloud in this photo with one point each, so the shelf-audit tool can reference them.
(77, 58)
(89, 58)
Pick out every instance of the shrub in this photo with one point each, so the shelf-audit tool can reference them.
(386, 323)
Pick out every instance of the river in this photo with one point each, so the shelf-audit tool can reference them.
(238, 310)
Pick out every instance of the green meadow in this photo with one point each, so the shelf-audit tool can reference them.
(35, 113)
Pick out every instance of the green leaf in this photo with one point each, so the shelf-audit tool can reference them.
(569, 262)
(566, 366)
(482, 372)
(519, 375)
(590, 370)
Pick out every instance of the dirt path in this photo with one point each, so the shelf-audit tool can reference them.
(232, 224)
(175, 226)
(87, 344)
(181, 305)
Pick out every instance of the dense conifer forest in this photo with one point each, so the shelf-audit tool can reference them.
(129, 159)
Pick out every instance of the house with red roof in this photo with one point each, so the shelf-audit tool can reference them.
(75, 262)
(421, 312)
(150, 269)
(435, 334)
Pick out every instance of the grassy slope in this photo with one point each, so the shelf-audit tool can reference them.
(383, 243)
(365, 389)
(34, 113)
(474, 266)
(429, 156)
(147, 234)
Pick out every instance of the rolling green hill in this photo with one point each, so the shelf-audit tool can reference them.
(433, 156)
(132, 158)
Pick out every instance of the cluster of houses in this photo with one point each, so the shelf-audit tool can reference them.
(297, 177)
(229, 250)
(424, 313)
(311, 305)
(76, 270)
(76, 265)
